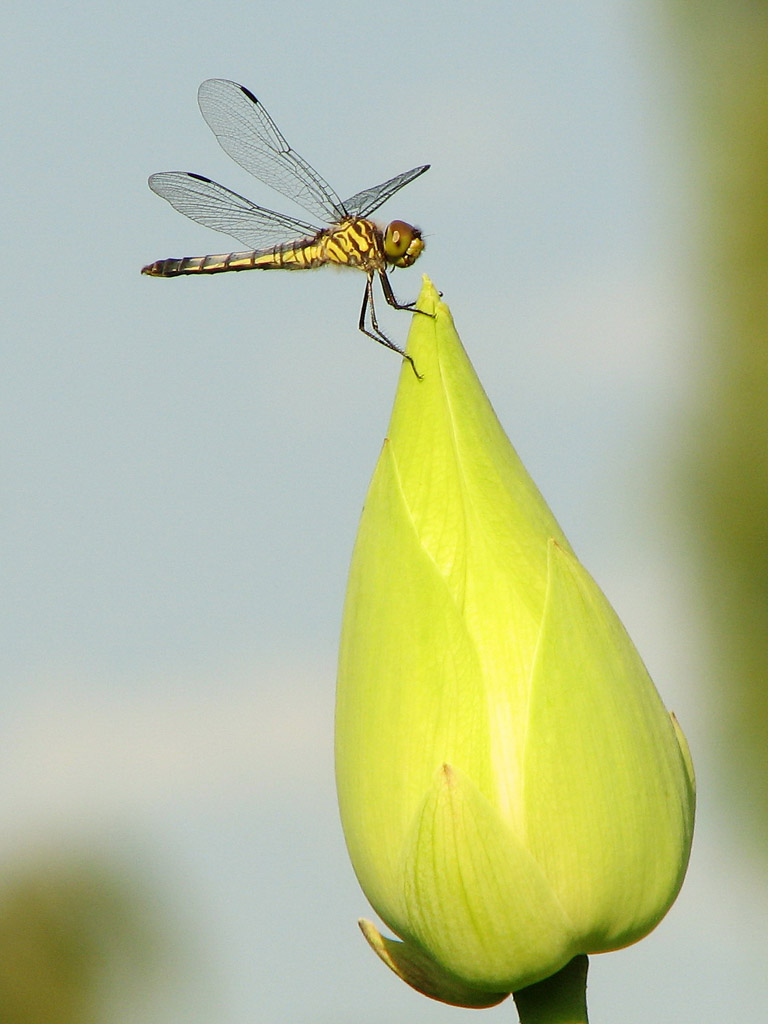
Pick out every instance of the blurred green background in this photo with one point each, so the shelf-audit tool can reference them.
(726, 51)
(184, 464)
(77, 939)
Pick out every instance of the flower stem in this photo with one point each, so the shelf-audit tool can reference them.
(560, 999)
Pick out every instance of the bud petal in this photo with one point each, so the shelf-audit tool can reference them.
(607, 747)
(466, 877)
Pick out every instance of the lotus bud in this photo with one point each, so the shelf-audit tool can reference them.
(512, 790)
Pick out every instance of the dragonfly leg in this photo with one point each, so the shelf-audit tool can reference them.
(377, 334)
(389, 295)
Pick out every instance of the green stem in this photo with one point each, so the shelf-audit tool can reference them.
(560, 999)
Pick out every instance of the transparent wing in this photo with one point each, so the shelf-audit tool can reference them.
(248, 134)
(214, 206)
(364, 203)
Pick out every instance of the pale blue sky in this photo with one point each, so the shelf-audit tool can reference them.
(185, 461)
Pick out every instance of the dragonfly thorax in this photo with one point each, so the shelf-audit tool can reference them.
(403, 243)
(359, 242)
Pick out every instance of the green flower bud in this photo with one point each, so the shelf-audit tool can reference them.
(512, 790)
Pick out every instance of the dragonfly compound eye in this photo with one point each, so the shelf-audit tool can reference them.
(402, 243)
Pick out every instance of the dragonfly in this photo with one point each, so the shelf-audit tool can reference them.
(276, 241)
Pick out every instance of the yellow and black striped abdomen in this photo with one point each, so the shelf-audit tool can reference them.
(352, 243)
(216, 264)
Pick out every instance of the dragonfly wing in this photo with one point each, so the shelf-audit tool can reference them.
(248, 134)
(363, 203)
(214, 206)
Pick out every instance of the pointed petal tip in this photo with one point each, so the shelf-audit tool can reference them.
(416, 969)
(429, 296)
(685, 753)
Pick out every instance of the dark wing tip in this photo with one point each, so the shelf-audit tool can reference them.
(248, 93)
(157, 181)
(228, 83)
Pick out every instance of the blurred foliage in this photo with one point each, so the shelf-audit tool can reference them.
(70, 934)
(724, 49)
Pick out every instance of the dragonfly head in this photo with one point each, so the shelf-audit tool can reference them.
(402, 243)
